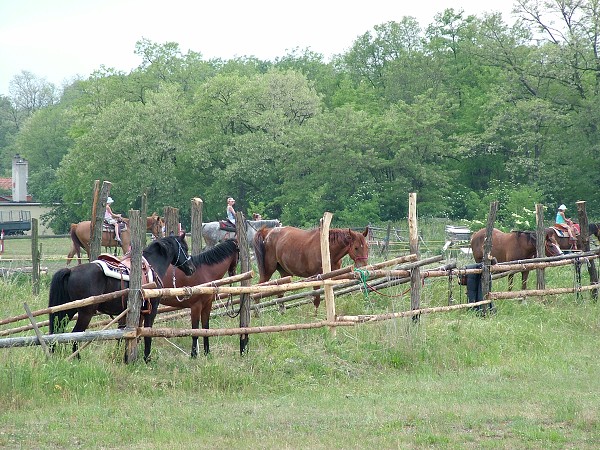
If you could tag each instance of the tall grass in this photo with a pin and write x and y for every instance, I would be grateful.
(524, 377)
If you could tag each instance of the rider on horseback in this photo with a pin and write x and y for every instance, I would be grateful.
(112, 218)
(566, 224)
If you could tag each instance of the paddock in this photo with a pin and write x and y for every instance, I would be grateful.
(283, 294)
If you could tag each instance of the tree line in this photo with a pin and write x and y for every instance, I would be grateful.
(463, 111)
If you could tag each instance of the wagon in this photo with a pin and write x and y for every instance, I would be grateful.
(458, 237)
(15, 222)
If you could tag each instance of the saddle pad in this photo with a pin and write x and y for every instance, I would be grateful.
(226, 226)
(560, 232)
(111, 270)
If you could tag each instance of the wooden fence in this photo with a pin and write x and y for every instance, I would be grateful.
(402, 270)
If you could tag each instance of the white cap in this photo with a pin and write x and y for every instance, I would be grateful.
(231, 199)
(109, 200)
(563, 207)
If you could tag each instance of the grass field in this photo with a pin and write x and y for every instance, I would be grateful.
(525, 377)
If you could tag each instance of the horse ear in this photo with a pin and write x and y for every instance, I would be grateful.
(366, 232)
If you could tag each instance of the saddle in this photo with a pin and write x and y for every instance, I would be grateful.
(562, 232)
(226, 225)
(111, 227)
(120, 269)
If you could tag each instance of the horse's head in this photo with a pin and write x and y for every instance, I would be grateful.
(182, 260)
(358, 248)
(155, 225)
(551, 244)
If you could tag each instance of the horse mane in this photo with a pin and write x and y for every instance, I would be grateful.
(339, 234)
(216, 254)
(529, 235)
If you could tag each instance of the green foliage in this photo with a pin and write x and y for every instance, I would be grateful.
(462, 111)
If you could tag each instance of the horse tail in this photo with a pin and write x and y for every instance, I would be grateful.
(76, 243)
(259, 248)
(59, 296)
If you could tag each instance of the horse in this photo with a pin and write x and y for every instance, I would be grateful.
(565, 244)
(293, 251)
(88, 280)
(212, 232)
(210, 265)
(80, 236)
(513, 246)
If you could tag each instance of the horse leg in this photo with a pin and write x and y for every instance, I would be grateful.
(524, 276)
(148, 322)
(195, 313)
(205, 316)
(84, 317)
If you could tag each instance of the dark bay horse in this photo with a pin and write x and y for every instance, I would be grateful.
(87, 280)
(513, 246)
(565, 244)
(211, 265)
(81, 235)
(292, 251)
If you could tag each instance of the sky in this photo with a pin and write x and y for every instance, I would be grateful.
(59, 40)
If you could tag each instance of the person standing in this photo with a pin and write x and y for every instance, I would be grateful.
(112, 219)
(230, 210)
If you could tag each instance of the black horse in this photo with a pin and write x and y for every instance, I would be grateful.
(88, 280)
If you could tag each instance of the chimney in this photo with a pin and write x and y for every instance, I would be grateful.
(20, 173)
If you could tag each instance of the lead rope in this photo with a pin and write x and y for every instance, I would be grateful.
(577, 278)
(363, 276)
(187, 290)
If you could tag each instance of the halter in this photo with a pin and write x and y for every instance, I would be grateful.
(179, 252)
(358, 258)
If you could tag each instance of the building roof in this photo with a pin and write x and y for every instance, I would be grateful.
(6, 183)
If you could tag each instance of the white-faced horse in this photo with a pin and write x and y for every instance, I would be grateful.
(213, 234)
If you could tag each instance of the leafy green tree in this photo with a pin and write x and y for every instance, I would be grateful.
(136, 147)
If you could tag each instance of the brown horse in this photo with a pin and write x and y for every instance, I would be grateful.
(513, 246)
(292, 251)
(80, 236)
(565, 244)
(210, 265)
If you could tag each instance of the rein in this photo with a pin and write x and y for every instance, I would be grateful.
(175, 266)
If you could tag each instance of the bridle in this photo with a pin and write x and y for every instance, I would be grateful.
(179, 252)
(357, 258)
(176, 265)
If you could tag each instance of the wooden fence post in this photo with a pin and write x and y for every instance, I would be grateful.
(144, 213)
(134, 299)
(326, 267)
(99, 207)
(486, 279)
(585, 245)
(35, 258)
(197, 205)
(413, 238)
(171, 221)
(95, 196)
(540, 244)
(242, 236)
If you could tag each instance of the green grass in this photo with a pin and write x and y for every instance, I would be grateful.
(525, 377)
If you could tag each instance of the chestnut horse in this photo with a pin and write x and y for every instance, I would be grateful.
(80, 236)
(513, 246)
(88, 280)
(292, 251)
(210, 265)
